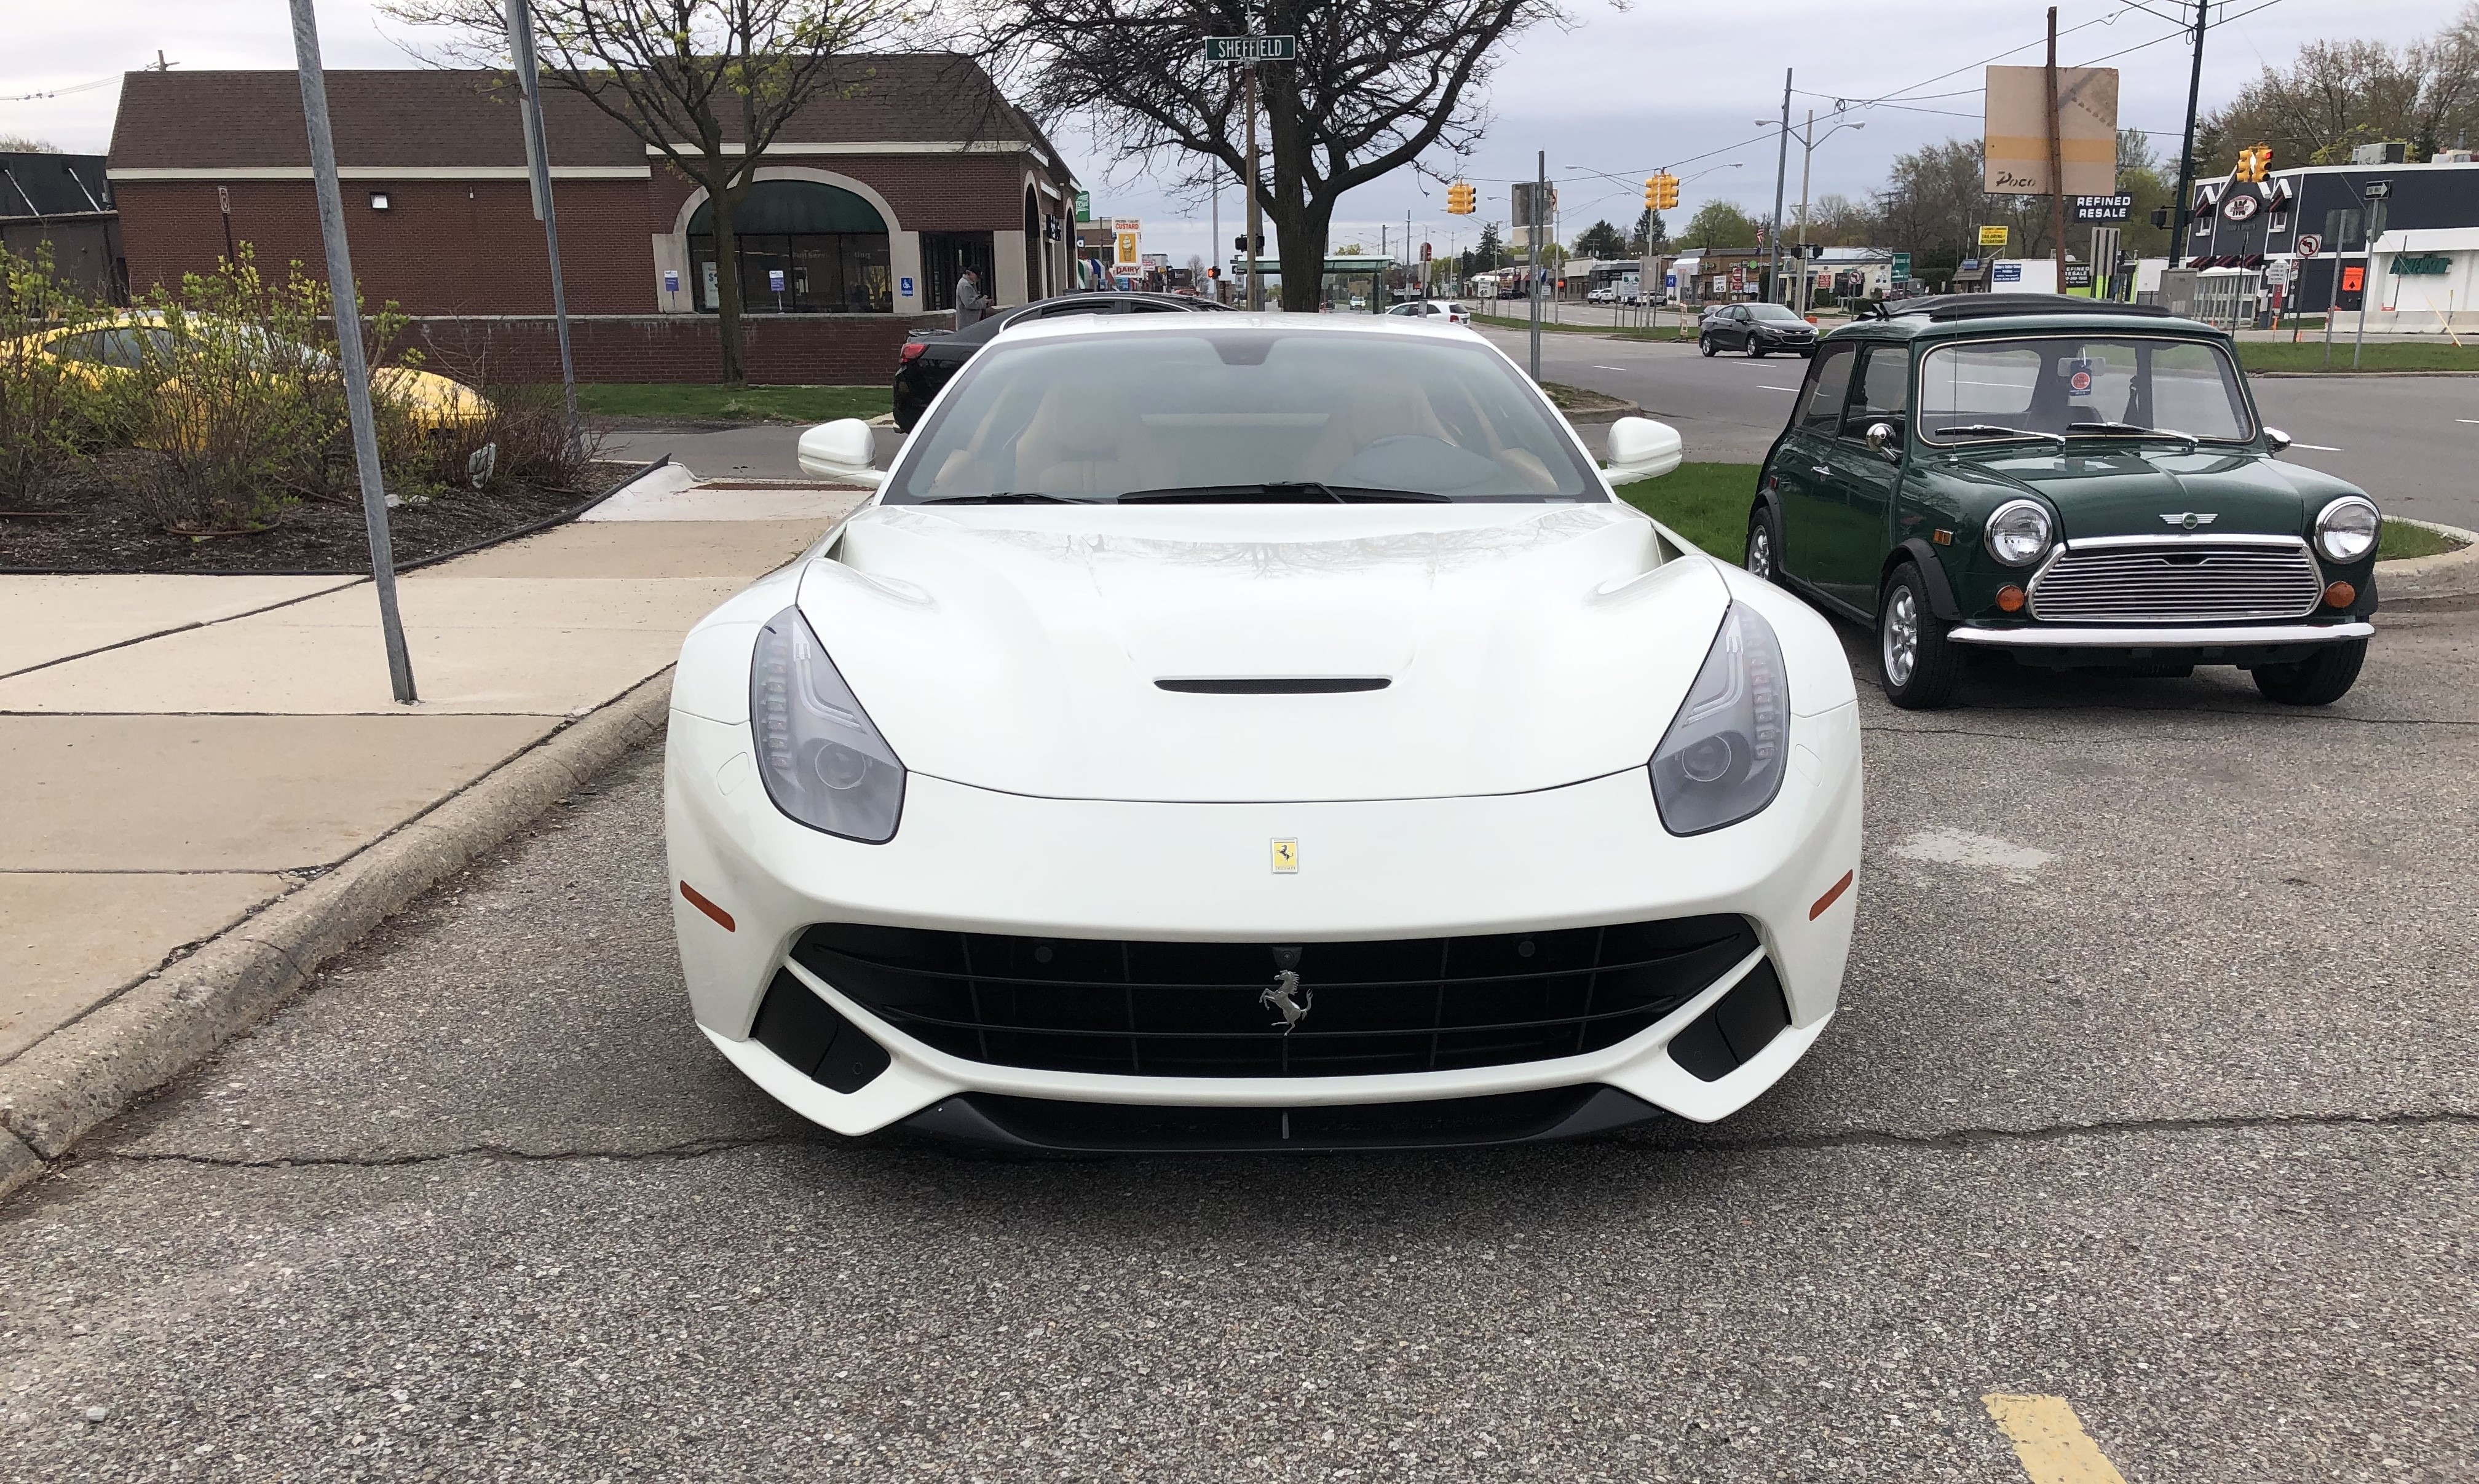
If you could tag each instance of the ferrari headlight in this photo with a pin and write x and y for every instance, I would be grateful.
(2346, 530)
(824, 763)
(1722, 759)
(2018, 532)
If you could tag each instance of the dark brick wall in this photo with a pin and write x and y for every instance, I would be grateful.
(796, 350)
(468, 248)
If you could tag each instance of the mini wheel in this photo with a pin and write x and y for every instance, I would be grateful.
(1921, 665)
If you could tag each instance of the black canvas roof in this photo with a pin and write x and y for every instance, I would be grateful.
(47, 186)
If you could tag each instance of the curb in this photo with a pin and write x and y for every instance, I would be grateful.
(59, 1090)
(2420, 580)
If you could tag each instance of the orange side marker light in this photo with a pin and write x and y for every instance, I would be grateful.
(2340, 595)
(1831, 897)
(697, 899)
(2009, 598)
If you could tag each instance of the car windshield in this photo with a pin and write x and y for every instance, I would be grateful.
(2081, 385)
(1275, 414)
(1773, 312)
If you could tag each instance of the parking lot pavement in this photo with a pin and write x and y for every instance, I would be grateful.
(2152, 1092)
(768, 451)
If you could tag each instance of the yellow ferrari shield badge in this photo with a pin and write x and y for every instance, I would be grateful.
(1287, 858)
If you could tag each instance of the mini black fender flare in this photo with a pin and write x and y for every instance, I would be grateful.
(1932, 571)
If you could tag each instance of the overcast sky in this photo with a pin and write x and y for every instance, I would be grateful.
(1623, 91)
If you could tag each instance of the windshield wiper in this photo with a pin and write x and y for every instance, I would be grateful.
(1277, 492)
(1009, 498)
(2136, 428)
(2008, 432)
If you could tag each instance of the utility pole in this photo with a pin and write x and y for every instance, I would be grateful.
(1807, 158)
(520, 50)
(1256, 283)
(1531, 251)
(2056, 161)
(2186, 151)
(1781, 175)
(346, 304)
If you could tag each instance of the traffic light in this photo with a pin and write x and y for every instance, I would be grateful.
(1213, 275)
(1660, 192)
(2254, 162)
(1240, 243)
(1460, 200)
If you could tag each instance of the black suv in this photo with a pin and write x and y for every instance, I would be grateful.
(1756, 329)
(930, 357)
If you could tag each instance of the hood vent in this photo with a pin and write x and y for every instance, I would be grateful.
(1277, 685)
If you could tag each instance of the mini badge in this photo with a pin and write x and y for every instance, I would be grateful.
(1287, 858)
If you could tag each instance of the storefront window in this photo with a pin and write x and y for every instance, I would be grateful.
(805, 247)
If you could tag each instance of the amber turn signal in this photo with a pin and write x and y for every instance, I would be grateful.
(2340, 595)
(2009, 598)
(697, 899)
(1831, 897)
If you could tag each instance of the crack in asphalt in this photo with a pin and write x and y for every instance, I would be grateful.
(1842, 1139)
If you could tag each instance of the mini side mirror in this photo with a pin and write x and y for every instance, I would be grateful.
(1885, 441)
(844, 449)
(1641, 448)
(2279, 440)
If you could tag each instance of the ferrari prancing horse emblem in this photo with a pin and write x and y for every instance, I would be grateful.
(1287, 858)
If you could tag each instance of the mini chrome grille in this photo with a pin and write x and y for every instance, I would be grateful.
(2177, 582)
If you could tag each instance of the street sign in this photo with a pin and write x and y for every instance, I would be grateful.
(1992, 236)
(773, 280)
(2079, 276)
(2276, 273)
(1902, 267)
(1424, 252)
(2379, 189)
(2006, 273)
(1534, 205)
(1252, 49)
(2310, 244)
(1084, 205)
(2101, 208)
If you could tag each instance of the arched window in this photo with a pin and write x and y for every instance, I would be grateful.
(804, 247)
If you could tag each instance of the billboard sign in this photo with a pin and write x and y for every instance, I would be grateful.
(2100, 208)
(2017, 131)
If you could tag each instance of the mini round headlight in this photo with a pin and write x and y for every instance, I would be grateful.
(2019, 532)
(2346, 530)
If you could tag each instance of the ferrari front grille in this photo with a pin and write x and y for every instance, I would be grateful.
(2177, 582)
(1151, 1008)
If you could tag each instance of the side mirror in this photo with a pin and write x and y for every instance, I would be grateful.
(1885, 441)
(2279, 440)
(844, 449)
(1641, 448)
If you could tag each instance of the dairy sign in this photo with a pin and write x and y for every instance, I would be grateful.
(1125, 233)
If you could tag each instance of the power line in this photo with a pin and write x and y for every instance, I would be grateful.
(62, 92)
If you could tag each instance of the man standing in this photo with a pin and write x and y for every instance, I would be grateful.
(971, 304)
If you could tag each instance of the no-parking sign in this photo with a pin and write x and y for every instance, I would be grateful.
(2310, 244)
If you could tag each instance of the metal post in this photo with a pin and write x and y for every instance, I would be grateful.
(2333, 305)
(1532, 256)
(224, 201)
(347, 307)
(2056, 159)
(1806, 157)
(1782, 177)
(1214, 281)
(1256, 283)
(2186, 151)
(521, 46)
(2366, 283)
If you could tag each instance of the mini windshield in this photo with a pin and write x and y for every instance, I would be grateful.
(1319, 418)
(2081, 386)
(1773, 312)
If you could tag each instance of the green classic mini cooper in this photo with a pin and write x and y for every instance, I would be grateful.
(2074, 483)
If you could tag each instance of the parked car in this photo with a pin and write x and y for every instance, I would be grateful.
(2067, 482)
(1601, 296)
(1204, 738)
(930, 358)
(1758, 329)
(1445, 310)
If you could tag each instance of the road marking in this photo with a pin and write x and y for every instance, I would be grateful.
(2320, 447)
(1762, 387)
(1596, 366)
(2050, 1439)
(2466, 420)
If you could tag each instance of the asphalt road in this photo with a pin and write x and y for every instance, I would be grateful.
(768, 451)
(2153, 1089)
(2410, 442)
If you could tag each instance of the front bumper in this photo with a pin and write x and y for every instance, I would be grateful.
(970, 859)
(2229, 636)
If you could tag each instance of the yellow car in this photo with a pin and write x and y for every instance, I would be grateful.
(95, 354)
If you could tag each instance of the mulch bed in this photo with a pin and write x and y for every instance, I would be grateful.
(98, 525)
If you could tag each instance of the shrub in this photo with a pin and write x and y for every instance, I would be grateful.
(523, 426)
(51, 416)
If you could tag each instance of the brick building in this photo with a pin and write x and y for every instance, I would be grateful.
(876, 195)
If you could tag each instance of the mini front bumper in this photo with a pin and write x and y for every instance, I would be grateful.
(970, 859)
(2229, 636)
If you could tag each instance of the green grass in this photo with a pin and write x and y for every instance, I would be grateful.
(1707, 503)
(2308, 355)
(2400, 541)
(736, 404)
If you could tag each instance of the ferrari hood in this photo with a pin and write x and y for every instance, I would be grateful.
(1312, 653)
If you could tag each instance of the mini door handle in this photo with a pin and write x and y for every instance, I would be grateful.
(1819, 468)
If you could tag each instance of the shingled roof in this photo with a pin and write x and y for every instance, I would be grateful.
(244, 120)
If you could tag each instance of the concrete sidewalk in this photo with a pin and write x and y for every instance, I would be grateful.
(176, 752)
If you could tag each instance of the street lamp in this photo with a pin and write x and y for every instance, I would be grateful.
(1808, 138)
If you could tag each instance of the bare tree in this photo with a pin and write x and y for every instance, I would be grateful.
(708, 83)
(1378, 83)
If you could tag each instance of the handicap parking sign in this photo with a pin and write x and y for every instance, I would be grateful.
(906, 287)
(775, 280)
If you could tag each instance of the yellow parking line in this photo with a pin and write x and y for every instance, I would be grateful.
(2050, 1439)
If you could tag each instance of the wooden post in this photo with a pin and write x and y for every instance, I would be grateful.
(2056, 159)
